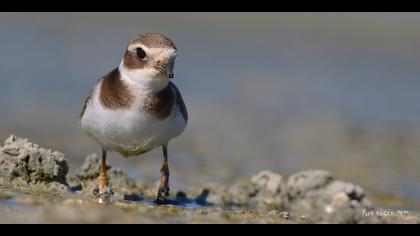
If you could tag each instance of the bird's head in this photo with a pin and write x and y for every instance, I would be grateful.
(149, 60)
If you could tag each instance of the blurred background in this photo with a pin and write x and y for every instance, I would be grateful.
(278, 91)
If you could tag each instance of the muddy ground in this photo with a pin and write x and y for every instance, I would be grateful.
(35, 187)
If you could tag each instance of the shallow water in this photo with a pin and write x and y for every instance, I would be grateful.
(279, 91)
(9, 202)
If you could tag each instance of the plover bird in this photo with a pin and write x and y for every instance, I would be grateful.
(135, 107)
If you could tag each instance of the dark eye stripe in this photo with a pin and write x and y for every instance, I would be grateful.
(141, 53)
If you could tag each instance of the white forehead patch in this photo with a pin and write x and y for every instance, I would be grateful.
(164, 51)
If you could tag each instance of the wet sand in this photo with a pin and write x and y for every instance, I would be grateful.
(35, 187)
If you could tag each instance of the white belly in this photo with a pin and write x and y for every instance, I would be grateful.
(130, 131)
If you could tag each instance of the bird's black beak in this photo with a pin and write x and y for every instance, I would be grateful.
(165, 68)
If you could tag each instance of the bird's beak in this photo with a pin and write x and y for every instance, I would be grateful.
(166, 68)
(170, 68)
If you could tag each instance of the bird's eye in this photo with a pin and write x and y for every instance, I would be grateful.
(141, 53)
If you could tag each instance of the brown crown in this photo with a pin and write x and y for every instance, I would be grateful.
(154, 40)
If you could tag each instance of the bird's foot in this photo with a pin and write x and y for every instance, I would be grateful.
(163, 193)
(104, 195)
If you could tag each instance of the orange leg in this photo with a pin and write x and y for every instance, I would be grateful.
(103, 178)
(163, 191)
(104, 193)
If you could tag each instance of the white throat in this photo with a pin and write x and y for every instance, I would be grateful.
(145, 78)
